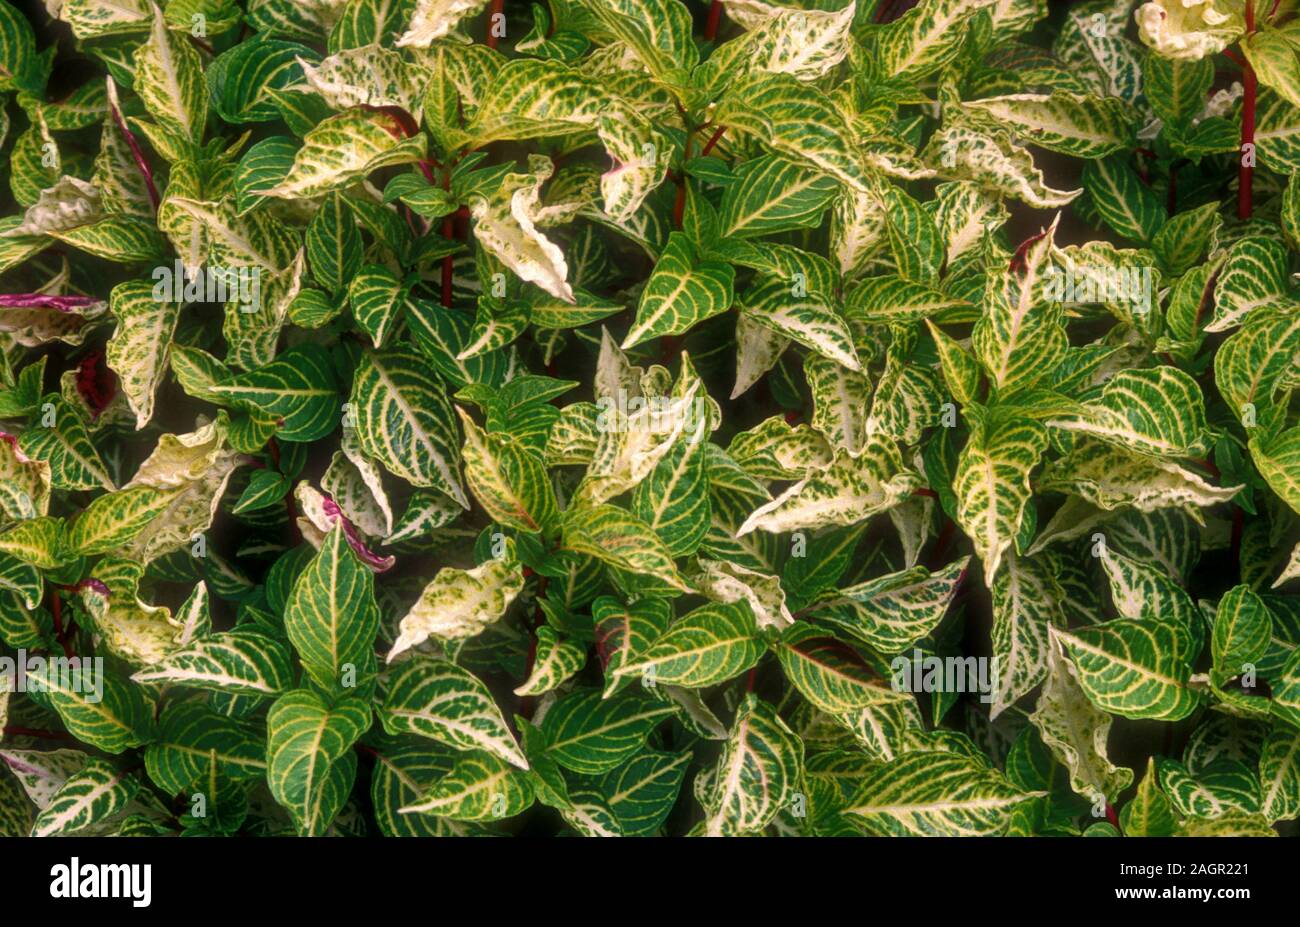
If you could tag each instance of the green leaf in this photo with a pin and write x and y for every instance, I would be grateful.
(507, 479)
(478, 787)
(760, 769)
(1243, 628)
(331, 617)
(935, 794)
(771, 194)
(60, 439)
(557, 660)
(461, 603)
(107, 713)
(437, 699)
(890, 612)
(376, 296)
(590, 735)
(298, 390)
(1148, 813)
(169, 80)
(709, 645)
(1279, 773)
(926, 39)
(625, 631)
(19, 63)
(397, 783)
(1176, 89)
(1126, 204)
(1083, 125)
(796, 121)
(1278, 461)
(345, 148)
(239, 78)
(683, 291)
(1076, 732)
(310, 762)
(404, 420)
(1253, 278)
(1158, 411)
(242, 661)
(1132, 668)
(194, 743)
(642, 792)
(992, 483)
(674, 499)
(830, 674)
(88, 797)
(618, 538)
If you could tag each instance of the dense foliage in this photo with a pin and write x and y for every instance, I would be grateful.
(433, 417)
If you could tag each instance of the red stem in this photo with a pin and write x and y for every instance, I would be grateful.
(679, 205)
(492, 38)
(56, 606)
(941, 543)
(708, 146)
(290, 506)
(1112, 815)
(714, 20)
(1246, 176)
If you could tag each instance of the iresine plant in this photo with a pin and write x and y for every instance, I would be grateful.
(650, 417)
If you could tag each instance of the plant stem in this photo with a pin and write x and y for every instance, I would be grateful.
(56, 607)
(1249, 85)
(708, 146)
(492, 37)
(714, 20)
(290, 506)
(679, 204)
